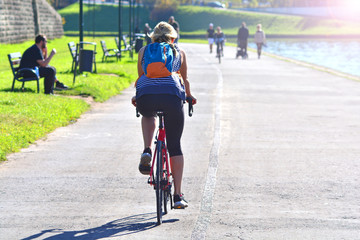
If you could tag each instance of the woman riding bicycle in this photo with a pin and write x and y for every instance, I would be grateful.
(160, 89)
(219, 40)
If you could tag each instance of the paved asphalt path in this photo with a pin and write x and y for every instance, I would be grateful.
(272, 152)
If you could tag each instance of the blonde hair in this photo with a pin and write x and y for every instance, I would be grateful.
(164, 32)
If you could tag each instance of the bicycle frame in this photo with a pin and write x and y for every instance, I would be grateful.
(219, 49)
(220, 46)
(161, 141)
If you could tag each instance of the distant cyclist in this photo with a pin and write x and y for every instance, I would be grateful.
(219, 40)
(163, 86)
(210, 36)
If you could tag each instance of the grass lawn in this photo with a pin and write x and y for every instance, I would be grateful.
(230, 20)
(27, 116)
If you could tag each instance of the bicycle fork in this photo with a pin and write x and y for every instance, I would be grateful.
(165, 178)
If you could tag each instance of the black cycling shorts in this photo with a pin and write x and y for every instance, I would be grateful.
(172, 106)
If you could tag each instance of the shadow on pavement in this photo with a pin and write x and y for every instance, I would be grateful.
(116, 228)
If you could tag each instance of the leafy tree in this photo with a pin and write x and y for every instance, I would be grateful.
(253, 3)
(167, 3)
(185, 1)
(148, 3)
(57, 4)
(163, 9)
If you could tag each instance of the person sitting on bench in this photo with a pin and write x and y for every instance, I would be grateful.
(34, 57)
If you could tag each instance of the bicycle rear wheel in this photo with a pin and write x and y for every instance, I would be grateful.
(218, 52)
(159, 191)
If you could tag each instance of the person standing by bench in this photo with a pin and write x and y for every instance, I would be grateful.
(176, 26)
(33, 57)
(147, 31)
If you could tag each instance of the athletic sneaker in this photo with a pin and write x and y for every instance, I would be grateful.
(60, 86)
(145, 160)
(180, 202)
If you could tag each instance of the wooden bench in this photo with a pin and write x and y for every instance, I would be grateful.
(109, 52)
(24, 74)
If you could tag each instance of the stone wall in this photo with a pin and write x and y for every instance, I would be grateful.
(21, 20)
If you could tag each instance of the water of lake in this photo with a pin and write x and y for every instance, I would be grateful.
(340, 55)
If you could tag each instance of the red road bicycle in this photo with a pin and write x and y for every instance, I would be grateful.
(160, 174)
(219, 49)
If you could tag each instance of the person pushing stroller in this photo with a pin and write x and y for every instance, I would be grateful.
(242, 41)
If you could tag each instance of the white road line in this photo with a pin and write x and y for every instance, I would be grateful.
(201, 225)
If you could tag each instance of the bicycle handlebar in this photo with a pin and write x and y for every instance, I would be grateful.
(191, 109)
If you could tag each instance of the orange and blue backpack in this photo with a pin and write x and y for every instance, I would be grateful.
(158, 60)
(161, 71)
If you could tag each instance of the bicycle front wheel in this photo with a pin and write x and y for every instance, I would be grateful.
(158, 177)
(167, 191)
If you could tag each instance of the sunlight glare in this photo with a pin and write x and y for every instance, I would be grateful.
(352, 4)
(344, 9)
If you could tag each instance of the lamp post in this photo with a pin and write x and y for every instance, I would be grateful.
(81, 22)
(130, 22)
(133, 18)
(93, 8)
(120, 30)
(138, 14)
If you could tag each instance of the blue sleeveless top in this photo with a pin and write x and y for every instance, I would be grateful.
(171, 85)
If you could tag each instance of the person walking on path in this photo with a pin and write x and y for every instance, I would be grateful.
(260, 39)
(164, 88)
(176, 26)
(210, 36)
(242, 38)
